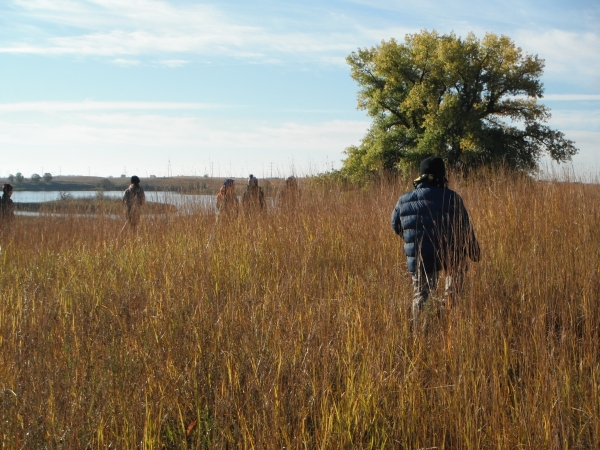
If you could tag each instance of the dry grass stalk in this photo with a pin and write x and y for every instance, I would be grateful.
(293, 329)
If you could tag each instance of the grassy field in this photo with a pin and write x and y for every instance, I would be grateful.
(292, 329)
(96, 205)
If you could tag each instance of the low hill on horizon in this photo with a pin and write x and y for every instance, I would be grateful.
(182, 184)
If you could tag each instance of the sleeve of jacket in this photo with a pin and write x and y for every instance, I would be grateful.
(396, 222)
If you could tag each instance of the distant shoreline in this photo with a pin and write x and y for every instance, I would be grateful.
(183, 185)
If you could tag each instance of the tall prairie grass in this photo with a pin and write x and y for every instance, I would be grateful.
(293, 330)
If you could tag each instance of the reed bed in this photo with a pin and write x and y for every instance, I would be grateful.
(292, 329)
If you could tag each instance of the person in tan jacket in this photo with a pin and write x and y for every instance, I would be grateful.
(134, 198)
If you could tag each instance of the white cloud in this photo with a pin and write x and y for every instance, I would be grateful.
(174, 63)
(588, 158)
(109, 141)
(150, 27)
(140, 27)
(571, 55)
(110, 135)
(187, 132)
(52, 107)
(126, 62)
(585, 166)
(583, 120)
(121, 42)
(115, 28)
(572, 97)
(103, 14)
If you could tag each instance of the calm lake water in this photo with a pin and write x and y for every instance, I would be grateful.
(182, 201)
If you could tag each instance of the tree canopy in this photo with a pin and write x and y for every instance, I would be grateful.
(472, 102)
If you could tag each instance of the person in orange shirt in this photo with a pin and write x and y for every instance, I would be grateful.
(227, 201)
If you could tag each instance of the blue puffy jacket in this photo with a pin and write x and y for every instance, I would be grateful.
(435, 227)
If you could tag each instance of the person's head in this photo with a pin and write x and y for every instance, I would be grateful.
(135, 180)
(229, 184)
(433, 170)
(291, 181)
(7, 189)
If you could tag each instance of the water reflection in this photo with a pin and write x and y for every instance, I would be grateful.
(77, 215)
(185, 203)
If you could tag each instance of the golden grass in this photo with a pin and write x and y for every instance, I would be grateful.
(91, 206)
(293, 329)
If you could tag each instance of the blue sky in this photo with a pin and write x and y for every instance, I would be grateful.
(186, 87)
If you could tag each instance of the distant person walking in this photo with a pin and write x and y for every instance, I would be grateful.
(7, 206)
(289, 195)
(435, 226)
(253, 199)
(227, 201)
(134, 198)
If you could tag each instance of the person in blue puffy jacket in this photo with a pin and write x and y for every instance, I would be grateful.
(437, 233)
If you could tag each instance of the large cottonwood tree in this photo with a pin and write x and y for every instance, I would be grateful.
(473, 102)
